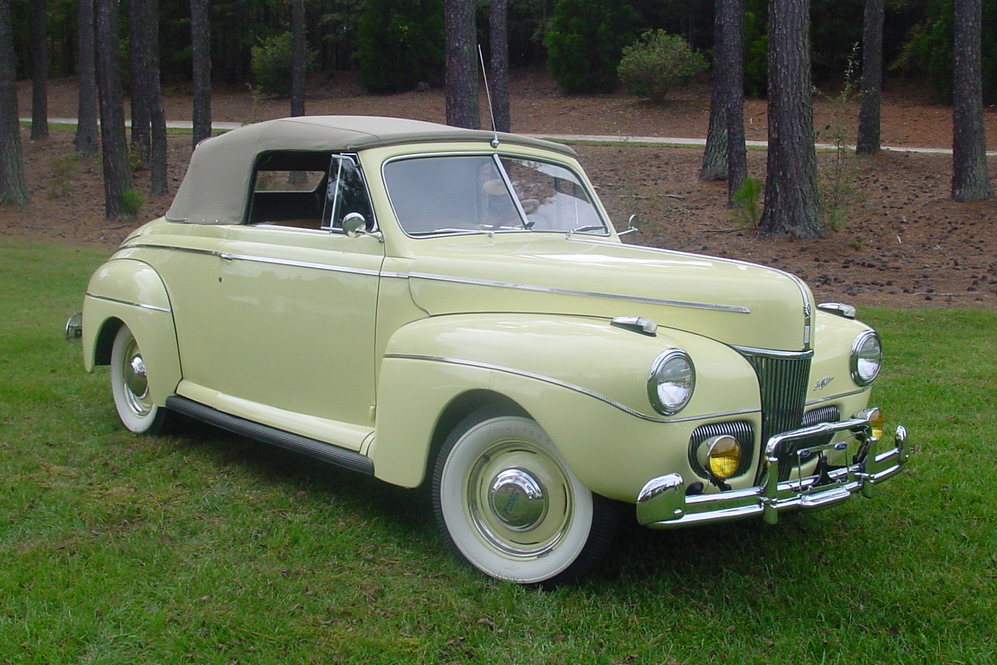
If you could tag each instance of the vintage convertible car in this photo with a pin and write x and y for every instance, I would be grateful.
(437, 305)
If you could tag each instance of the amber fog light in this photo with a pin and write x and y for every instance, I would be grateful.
(721, 456)
(877, 421)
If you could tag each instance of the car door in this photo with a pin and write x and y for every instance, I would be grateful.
(296, 304)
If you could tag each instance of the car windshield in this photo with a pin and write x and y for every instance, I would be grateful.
(485, 193)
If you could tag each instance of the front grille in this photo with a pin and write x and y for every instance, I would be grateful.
(782, 382)
(824, 414)
(741, 430)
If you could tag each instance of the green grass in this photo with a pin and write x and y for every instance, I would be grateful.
(206, 548)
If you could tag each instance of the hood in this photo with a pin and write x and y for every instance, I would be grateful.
(738, 303)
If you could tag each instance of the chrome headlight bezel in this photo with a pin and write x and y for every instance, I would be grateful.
(866, 358)
(671, 382)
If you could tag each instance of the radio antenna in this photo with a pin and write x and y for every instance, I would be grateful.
(488, 96)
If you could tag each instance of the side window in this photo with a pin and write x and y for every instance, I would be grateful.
(289, 189)
(346, 193)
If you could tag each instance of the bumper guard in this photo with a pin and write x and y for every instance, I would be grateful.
(663, 503)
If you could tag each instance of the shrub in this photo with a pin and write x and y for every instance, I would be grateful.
(585, 42)
(657, 63)
(271, 64)
(400, 44)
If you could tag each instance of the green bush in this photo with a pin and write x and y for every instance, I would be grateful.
(400, 44)
(585, 42)
(657, 63)
(271, 64)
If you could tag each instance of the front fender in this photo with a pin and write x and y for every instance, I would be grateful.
(131, 293)
(582, 379)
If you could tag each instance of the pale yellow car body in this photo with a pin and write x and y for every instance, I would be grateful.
(378, 342)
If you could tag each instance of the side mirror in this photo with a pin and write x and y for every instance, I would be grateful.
(355, 225)
(631, 226)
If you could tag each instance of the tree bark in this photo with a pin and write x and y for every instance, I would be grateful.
(297, 57)
(461, 59)
(201, 42)
(737, 152)
(13, 186)
(139, 84)
(157, 116)
(86, 127)
(725, 156)
(791, 180)
(970, 175)
(498, 27)
(38, 19)
(872, 78)
(113, 140)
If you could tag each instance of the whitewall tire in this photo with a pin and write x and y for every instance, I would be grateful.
(509, 505)
(130, 386)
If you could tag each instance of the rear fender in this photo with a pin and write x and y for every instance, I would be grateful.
(131, 293)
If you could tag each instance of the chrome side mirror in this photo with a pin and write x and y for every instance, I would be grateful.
(355, 225)
(631, 226)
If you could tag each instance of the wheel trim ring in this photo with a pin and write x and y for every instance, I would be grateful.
(493, 531)
(134, 380)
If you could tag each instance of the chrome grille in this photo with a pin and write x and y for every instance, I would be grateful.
(782, 383)
(823, 414)
(741, 430)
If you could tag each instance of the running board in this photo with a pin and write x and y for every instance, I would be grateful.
(300, 444)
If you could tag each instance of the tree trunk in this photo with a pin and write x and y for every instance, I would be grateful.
(86, 128)
(139, 84)
(970, 176)
(200, 30)
(157, 116)
(715, 155)
(872, 78)
(297, 57)
(13, 187)
(38, 19)
(113, 140)
(498, 27)
(791, 181)
(462, 70)
(733, 84)
(724, 157)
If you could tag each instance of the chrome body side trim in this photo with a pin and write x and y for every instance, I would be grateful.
(736, 309)
(569, 386)
(154, 308)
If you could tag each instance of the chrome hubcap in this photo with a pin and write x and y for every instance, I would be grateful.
(518, 499)
(136, 380)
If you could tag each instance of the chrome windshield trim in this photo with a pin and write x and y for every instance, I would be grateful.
(130, 303)
(736, 309)
(569, 386)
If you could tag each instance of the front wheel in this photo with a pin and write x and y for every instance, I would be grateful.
(508, 504)
(130, 386)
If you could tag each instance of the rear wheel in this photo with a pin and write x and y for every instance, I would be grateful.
(509, 505)
(130, 386)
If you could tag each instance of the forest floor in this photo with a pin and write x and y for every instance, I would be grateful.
(900, 241)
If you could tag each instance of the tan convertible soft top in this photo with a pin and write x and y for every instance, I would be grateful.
(218, 179)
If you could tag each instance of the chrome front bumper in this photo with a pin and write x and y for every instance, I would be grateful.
(664, 504)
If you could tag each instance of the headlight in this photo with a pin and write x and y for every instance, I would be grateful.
(672, 380)
(867, 358)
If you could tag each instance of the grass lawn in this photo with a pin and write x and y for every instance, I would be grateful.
(206, 548)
